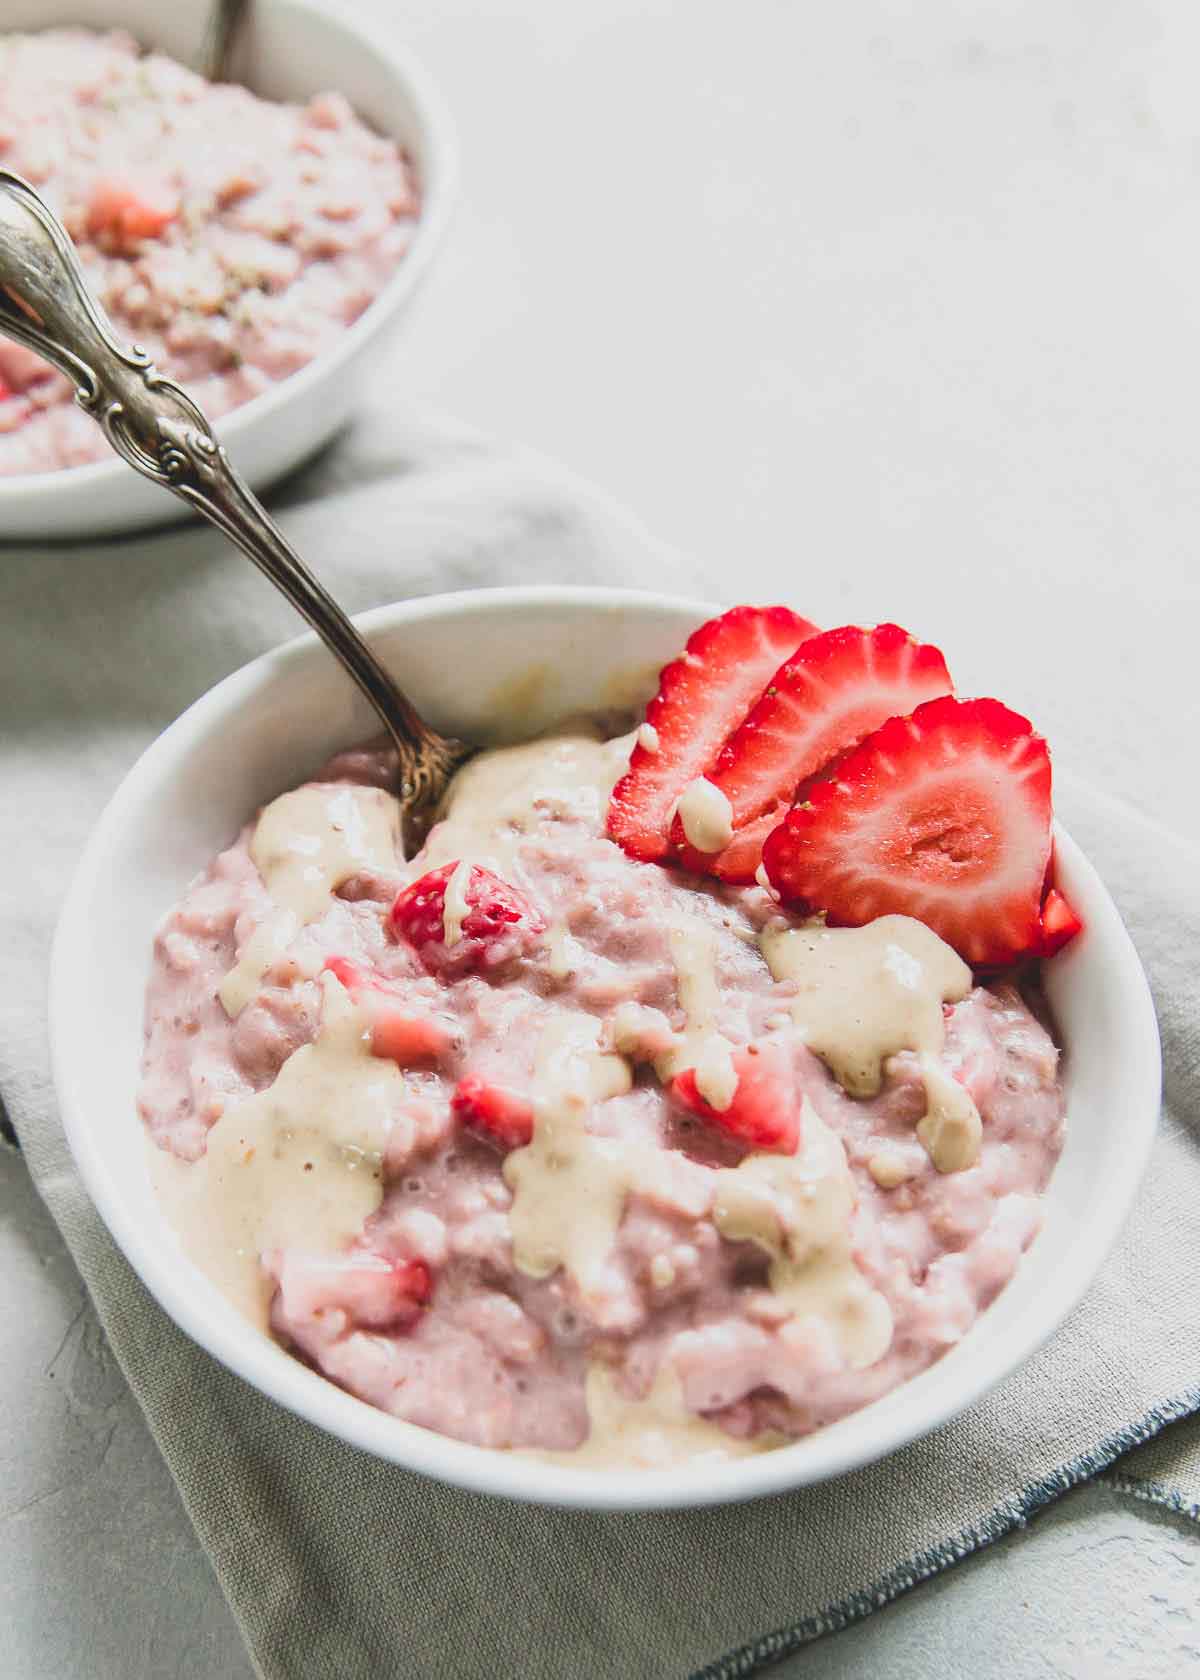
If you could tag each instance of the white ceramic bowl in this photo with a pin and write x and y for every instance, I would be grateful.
(292, 49)
(264, 729)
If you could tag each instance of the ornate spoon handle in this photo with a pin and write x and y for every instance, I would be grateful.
(155, 426)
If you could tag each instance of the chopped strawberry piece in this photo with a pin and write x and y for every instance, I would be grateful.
(125, 214)
(407, 1038)
(500, 1114)
(413, 1279)
(348, 973)
(702, 697)
(765, 1111)
(498, 925)
(837, 687)
(1060, 923)
(401, 1029)
(944, 815)
(372, 1291)
(6, 390)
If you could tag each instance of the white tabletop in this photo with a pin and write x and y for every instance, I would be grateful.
(888, 316)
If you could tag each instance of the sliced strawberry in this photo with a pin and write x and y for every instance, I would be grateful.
(765, 1111)
(702, 697)
(500, 923)
(401, 1030)
(944, 815)
(1060, 923)
(500, 1114)
(835, 689)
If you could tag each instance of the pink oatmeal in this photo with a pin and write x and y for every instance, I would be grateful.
(232, 237)
(457, 1144)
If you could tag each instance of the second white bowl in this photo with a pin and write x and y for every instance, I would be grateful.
(294, 49)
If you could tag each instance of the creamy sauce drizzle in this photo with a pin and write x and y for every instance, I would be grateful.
(297, 1165)
(570, 1185)
(648, 1434)
(646, 1035)
(455, 908)
(797, 1208)
(866, 993)
(763, 880)
(700, 1046)
(305, 844)
(569, 1188)
(716, 1076)
(563, 951)
(951, 1129)
(706, 815)
(496, 799)
(891, 1167)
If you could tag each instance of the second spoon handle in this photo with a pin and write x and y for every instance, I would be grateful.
(157, 428)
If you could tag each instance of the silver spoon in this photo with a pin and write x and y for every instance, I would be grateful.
(153, 424)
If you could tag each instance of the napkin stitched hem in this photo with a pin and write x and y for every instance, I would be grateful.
(1012, 1514)
(1155, 1493)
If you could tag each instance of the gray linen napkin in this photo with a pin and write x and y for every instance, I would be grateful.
(337, 1565)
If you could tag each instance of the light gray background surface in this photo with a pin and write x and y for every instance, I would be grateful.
(846, 297)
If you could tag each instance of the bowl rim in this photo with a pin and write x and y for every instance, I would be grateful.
(256, 1358)
(438, 181)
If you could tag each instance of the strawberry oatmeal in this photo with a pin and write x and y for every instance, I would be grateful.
(554, 1137)
(232, 237)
